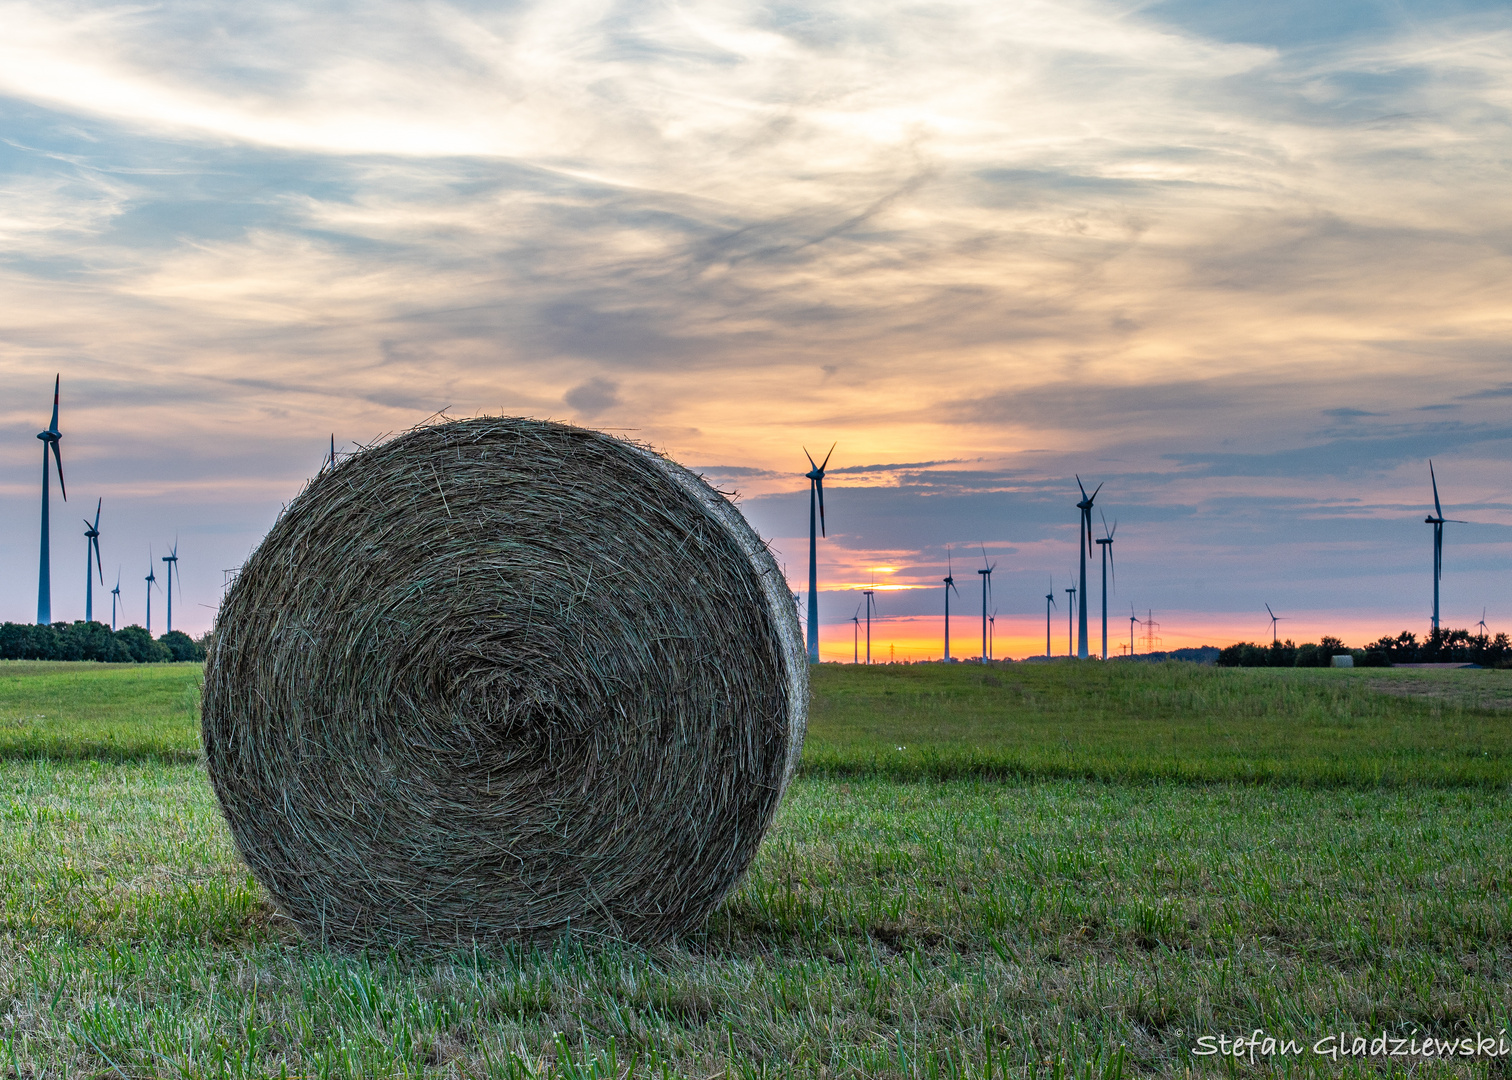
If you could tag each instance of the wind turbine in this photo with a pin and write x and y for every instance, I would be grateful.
(1049, 603)
(991, 630)
(1274, 620)
(856, 636)
(1084, 538)
(330, 461)
(1482, 623)
(172, 560)
(151, 580)
(1133, 619)
(949, 585)
(49, 439)
(1106, 543)
(1436, 519)
(115, 594)
(816, 497)
(871, 603)
(92, 548)
(986, 576)
(1071, 614)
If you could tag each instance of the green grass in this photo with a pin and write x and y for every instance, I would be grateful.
(921, 928)
(108, 712)
(1185, 722)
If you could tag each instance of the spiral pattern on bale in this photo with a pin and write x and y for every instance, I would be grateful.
(503, 678)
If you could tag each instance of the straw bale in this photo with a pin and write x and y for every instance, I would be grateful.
(504, 678)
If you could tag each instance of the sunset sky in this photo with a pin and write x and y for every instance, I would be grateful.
(1249, 266)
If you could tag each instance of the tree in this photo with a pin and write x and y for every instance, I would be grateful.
(142, 648)
(182, 646)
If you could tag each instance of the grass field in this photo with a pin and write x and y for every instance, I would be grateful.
(1071, 869)
(1312, 726)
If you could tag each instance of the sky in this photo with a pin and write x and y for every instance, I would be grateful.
(1244, 265)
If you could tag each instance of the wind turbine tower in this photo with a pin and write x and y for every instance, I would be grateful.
(816, 500)
(1049, 603)
(986, 576)
(1106, 543)
(151, 580)
(50, 438)
(1274, 618)
(1085, 540)
(949, 585)
(172, 560)
(1070, 615)
(92, 561)
(1436, 519)
(871, 601)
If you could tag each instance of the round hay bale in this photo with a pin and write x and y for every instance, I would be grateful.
(504, 678)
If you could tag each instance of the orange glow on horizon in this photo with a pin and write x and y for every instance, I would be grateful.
(921, 637)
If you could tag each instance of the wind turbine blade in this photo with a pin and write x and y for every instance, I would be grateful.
(1437, 510)
(1112, 566)
(819, 486)
(1094, 493)
(1272, 614)
(984, 554)
(810, 458)
(827, 456)
(94, 542)
(58, 457)
(57, 381)
(98, 503)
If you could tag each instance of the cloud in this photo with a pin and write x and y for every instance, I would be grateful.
(1367, 454)
(593, 397)
(983, 245)
(902, 466)
(1505, 390)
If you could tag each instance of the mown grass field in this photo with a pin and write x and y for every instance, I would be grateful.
(1070, 869)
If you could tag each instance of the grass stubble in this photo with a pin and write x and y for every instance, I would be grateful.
(895, 923)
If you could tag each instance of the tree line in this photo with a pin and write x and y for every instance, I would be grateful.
(96, 641)
(1442, 646)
